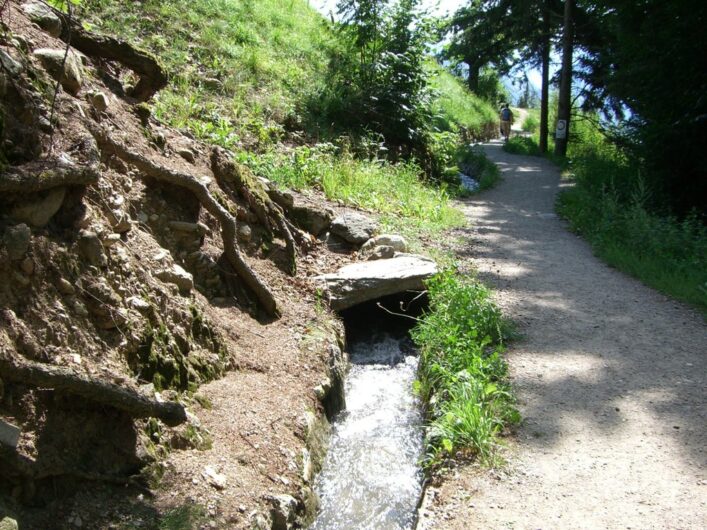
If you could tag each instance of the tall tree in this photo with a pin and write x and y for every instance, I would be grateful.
(565, 100)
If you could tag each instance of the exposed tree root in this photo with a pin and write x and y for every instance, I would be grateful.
(46, 174)
(152, 76)
(48, 376)
(228, 223)
(230, 175)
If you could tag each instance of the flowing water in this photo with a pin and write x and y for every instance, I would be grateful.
(371, 478)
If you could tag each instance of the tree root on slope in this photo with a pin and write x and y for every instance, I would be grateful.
(229, 175)
(228, 223)
(121, 398)
(152, 75)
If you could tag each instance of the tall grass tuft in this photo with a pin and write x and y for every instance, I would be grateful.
(396, 190)
(462, 374)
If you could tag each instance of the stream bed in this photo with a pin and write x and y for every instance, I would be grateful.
(371, 478)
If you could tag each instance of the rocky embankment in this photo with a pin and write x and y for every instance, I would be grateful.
(163, 352)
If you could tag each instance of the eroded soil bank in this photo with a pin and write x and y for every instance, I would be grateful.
(610, 375)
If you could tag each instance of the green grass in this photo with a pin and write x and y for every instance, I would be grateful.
(393, 189)
(239, 69)
(455, 107)
(608, 205)
(462, 374)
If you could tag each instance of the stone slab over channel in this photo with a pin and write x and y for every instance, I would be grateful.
(369, 280)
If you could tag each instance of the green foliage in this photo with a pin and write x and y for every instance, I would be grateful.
(531, 123)
(394, 189)
(378, 81)
(608, 206)
(521, 145)
(474, 163)
(462, 374)
(641, 57)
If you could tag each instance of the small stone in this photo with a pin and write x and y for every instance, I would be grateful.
(9, 434)
(187, 154)
(212, 83)
(91, 248)
(177, 276)
(27, 266)
(10, 64)
(65, 287)
(80, 308)
(110, 240)
(99, 101)
(283, 511)
(78, 523)
(8, 523)
(142, 217)
(119, 220)
(354, 227)
(138, 303)
(17, 239)
(75, 358)
(245, 233)
(215, 479)
(398, 243)
(20, 279)
(381, 252)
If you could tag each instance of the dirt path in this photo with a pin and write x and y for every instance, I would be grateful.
(610, 377)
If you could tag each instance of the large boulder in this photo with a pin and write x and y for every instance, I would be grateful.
(364, 281)
(42, 15)
(354, 227)
(71, 75)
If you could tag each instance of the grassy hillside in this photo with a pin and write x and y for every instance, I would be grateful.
(456, 107)
(242, 73)
(239, 68)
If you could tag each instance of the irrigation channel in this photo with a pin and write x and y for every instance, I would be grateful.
(371, 477)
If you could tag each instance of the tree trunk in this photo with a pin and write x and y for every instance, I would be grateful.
(473, 79)
(545, 89)
(565, 102)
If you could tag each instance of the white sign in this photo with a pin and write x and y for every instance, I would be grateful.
(561, 131)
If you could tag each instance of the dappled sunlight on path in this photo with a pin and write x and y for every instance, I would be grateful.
(611, 378)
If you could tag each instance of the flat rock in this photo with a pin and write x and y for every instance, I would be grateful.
(354, 227)
(71, 77)
(364, 281)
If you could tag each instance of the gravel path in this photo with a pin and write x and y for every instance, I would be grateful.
(610, 376)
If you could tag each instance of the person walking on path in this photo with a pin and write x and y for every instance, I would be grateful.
(506, 121)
